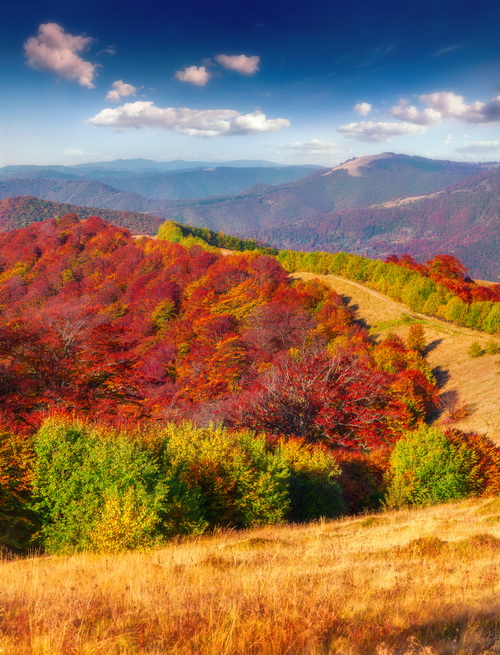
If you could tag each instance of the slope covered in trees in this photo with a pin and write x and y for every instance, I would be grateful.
(21, 211)
(109, 343)
(65, 183)
(375, 206)
(462, 220)
(96, 321)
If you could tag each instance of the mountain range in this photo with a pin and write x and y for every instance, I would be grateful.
(373, 205)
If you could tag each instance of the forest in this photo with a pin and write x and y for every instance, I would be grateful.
(164, 389)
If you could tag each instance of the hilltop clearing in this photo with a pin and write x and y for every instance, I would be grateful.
(407, 582)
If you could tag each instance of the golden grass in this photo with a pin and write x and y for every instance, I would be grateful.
(476, 380)
(421, 581)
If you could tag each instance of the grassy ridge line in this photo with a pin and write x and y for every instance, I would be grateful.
(419, 294)
(394, 583)
(189, 236)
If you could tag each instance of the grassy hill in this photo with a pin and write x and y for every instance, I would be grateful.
(408, 582)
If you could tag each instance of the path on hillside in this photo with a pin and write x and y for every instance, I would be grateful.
(476, 380)
(402, 308)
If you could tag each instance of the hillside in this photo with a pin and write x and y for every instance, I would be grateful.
(412, 582)
(376, 206)
(454, 209)
(378, 179)
(148, 179)
(21, 211)
(475, 381)
(462, 220)
(78, 192)
(202, 183)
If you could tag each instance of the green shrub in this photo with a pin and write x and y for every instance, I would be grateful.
(429, 467)
(83, 480)
(314, 489)
(475, 350)
(223, 478)
(492, 348)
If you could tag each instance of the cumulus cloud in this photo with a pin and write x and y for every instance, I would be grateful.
(362, 108)
(55, 50)
(410, 114)
(194, 75)
(192, 122)
(120, 89)
(378, 132)
(239, 63)
(445, 104)
(474, 147)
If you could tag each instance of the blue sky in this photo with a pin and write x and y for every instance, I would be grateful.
(294, 82)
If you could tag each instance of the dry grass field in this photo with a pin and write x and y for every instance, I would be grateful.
(476, 380)
(397, 583)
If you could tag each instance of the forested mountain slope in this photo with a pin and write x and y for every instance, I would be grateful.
(377, 205)
(462, 220)
(98, 322)
(21, 211)
(376, 179)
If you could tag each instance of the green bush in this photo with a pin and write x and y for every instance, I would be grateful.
(492, 348)
(223, 478)
(81, 480)
(314, 489)
(475, 350)
(429, 467)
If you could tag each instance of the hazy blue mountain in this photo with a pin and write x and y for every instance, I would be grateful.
(79, 192)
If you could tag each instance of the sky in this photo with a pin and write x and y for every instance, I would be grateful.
(296, 82)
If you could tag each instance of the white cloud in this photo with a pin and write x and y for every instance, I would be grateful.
(314, 147)
(192, 122)
(410, 114)
(445, 104)
(55, 50)
(239, 63)
(445, 51)
(378, 132)
(257, 122)
(362, 108)
(451, 105)
(479, 147)
(119, 90)
(194, 75)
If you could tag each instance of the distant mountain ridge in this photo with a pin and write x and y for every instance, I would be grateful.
(21, 211)
(373, 205)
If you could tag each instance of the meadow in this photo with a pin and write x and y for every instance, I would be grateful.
(422, 581)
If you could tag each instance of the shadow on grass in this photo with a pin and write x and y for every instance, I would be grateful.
(471, 633)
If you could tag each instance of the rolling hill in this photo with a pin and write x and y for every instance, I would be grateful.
(21, 211)
(358, 183)
(462, 220)
(81, 192)
(476, 382)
